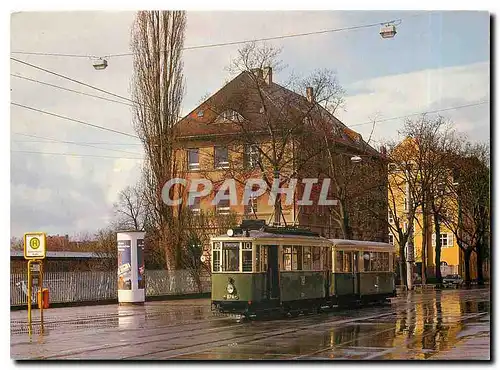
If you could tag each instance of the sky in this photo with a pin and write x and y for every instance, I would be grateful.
(437, 60)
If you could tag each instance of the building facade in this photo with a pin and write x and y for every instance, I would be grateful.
(255, 128)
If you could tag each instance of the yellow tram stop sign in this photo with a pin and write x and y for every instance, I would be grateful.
(34, 245)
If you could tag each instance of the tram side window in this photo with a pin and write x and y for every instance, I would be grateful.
(339, 257)
(287, 258)
(326, 257)
(263, 258)
(347, 262)
(297, 258)
(292, 258)
(230, 257)
(307, 259)
(316, 258)
(376, 261)
(366, 261)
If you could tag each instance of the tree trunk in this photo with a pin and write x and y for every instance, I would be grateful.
(479, 262)
(467, 254)
(423, 253)
(402, 266)
(437, 260)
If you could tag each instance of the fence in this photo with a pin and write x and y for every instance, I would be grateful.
(66, 287)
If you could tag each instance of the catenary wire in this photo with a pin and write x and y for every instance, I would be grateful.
(51, 141)
(74, 120)
(206, 46)
(73, 155)
(71, 90)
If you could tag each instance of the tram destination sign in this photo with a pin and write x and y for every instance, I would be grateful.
(35, 245)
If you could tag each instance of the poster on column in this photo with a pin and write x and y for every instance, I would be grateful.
(124, 265)
(140, 263)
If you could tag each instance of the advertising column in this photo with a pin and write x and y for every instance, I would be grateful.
(131, 285)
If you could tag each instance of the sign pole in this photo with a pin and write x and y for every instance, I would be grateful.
(29, 296)
(34, 252)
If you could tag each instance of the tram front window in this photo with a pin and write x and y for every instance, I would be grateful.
(231, 256)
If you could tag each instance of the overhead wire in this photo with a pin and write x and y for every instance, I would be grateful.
(74, 120)
(206, 46)
(51, 140)
(71, 90)
(419, 113)
(73, 80)
(73, 155)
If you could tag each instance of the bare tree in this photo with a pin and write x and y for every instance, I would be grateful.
(131, 209)
(157, 89)
(197, 229)
(467, 208)
(435, 142)
(273, 132)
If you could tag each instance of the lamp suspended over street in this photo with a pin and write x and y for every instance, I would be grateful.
(356, 159)
(99, 63)
(388, 31)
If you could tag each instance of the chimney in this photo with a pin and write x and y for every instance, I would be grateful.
(309, 94)
(257, 72)
(268, 75)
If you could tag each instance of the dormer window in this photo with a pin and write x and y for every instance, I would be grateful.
(230, 115)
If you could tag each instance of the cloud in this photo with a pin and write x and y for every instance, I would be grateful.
(420, 91)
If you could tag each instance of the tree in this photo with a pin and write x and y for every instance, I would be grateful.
(468, 213)
(197, 228)
(275, 133)
(435, 142)
(157, 90)
(131, 209)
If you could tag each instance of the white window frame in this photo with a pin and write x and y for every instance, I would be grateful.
(391, 239)
(221, 164)
(390, 218)
(194, 166)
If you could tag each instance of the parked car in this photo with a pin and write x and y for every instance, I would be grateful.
(452, 280)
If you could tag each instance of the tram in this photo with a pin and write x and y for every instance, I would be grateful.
(259, 269)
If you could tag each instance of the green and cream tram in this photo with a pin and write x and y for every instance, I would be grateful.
(291, 270)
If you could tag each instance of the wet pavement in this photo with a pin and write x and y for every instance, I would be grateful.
(436, 325)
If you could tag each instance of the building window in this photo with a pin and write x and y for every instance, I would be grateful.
(391, 239)
(195, 207)
(390, 218)
(405, 227)
(446, 240)
(223, 207)
(193, 159)
(221, 157)
(406, 204)
(230, 115)
(252, 156)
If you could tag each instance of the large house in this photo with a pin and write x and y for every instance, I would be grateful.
(255, 128)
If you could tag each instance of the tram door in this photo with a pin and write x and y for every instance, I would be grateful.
(273, 272)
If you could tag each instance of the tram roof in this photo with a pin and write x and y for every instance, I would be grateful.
(282, 234)
(364, 243)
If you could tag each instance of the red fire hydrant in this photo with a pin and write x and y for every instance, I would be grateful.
(43, 298)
